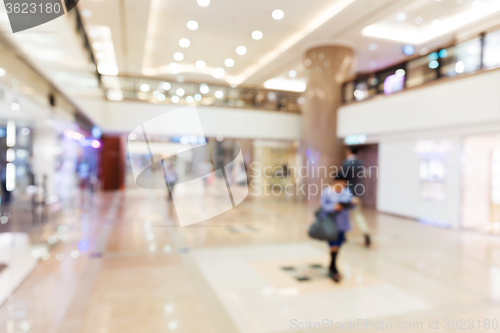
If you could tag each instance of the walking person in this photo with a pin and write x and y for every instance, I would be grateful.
(337, 200)
(353, 171)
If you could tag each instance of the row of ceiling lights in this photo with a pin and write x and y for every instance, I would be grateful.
(192, 25)
(163, 86)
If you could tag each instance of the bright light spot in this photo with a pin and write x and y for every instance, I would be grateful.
(219, 94)
(278, 14)
(174, 68)
(401, 17)
(257, 35)
(301, 100)
(192, 25)
(169, 309)
(203, 3)
(292, 73)
(2, 72)
(178, 56)
(229, 62)
(283, 84)
(433, 64)
(359, 94)
(165, 85)
(197, 97)
(10, 155)
(435, 23)
(184, 42)
(51, 239)
(408, 50)
(25, 326)
(175, 99)
(173, 325)
(200, 64)
(400, 72)
(145, 87)
(96, 144)
(97, 45)
(204, 89)
(218, 73)
(86, 13)
(373, 47)
(152, 247)
(419, 20)
(296, 144)
(472, 50)
(132, 136)
(74, 254)
(241, 50)
(460, 67)
(477, 4)
(161, 97)
(156, 93)
(15, 106)
(10, 178)
(180, 92)
(219, 138)
(189, 99)
(25, 131)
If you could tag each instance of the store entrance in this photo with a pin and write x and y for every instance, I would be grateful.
(481, 183)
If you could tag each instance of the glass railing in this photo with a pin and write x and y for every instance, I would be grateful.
(158, 91)
(463, 58)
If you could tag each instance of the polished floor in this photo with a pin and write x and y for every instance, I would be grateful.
(121, 265)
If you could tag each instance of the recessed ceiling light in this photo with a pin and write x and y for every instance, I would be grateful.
(373, 47)
(219, 94)
(161, 97)
(241, 50)
(189, 99)
(165, 85)
(278, 14)
(401, 17)
(203, 3)
(200, 64)
(184, 42)
(292, 73)
(178, 56)
(400, 72)
(229, 62)
(419, 20)
(180, 92)
(197, 97)
(175, 99)
(144, 87)
(218, 73)
(257, 35)
(192, 25)
(2, 72)
(86, 13)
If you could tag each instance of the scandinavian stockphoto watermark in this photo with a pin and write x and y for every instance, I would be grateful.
(26, 14)
(291, 180)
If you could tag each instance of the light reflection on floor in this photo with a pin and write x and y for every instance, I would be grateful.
(138, 273)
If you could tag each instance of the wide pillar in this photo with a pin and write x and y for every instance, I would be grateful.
(326, 68)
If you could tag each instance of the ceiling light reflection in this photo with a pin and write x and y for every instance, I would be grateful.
(241, 50)
(257, 35)
(184, 42)
(178, 56)
(192, 25)
(278, 14)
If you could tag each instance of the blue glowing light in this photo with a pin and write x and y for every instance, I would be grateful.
(433, 64)
(408, 50)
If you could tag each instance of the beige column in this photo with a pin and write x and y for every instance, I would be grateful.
(326, 68)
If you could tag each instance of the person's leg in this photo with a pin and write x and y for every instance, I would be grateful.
(359, 218)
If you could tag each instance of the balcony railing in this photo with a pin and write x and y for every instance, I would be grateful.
(158, 91)
(463, 58)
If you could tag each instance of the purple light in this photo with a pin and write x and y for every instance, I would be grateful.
(96, 144)
(394, 83)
